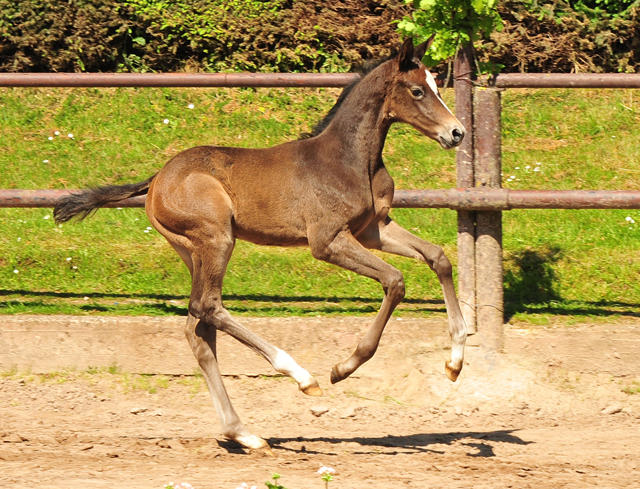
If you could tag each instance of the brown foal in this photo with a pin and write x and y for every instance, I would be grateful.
(330, 191)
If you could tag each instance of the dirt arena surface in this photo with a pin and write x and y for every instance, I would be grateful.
(512, 420)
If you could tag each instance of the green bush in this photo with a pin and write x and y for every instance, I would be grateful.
(553, 37)
(66, 36)
(194, 35)
(291, 35)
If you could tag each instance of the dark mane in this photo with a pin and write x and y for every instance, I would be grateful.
(363, 70)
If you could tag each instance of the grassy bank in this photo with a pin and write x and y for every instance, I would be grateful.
(558, 263)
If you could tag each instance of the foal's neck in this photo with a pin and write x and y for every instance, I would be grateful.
(361, 124)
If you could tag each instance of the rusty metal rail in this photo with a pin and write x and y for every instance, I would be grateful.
(203, 80)
(198, 80)
(503, 199)
(465, 199)
(566, 80)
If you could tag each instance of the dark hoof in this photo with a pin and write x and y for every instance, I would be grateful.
(335, 376)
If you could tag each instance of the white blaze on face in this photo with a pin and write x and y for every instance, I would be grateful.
(431, 81)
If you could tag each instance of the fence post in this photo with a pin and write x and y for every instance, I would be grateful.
(488, 167)
(463, 73)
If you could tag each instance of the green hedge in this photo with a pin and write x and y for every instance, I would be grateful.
(194, 35)
(291, 35)
(555, 37)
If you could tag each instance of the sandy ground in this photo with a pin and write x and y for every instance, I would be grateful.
(510, 421)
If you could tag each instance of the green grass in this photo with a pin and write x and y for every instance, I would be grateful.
(574, 264)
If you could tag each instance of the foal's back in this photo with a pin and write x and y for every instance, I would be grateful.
(273, 193)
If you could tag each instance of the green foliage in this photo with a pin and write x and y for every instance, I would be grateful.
(294, 35)
(194, 35)
(552, 36)
(62, 35)
(597, 7)
(274, 484)
(455, 22)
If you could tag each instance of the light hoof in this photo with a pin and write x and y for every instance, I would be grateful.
(265, 451)
(451, 371)
(253, 442)
(312, 389)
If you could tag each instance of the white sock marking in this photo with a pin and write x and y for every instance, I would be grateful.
(283, 363)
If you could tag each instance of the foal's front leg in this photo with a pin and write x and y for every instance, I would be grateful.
(345, 251)
(390, 237)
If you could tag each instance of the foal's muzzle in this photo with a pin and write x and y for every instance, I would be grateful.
(451, 138)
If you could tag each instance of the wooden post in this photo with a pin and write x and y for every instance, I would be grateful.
(488, 167)
(463, 86)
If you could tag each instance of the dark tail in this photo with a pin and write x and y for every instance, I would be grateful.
(86, 202)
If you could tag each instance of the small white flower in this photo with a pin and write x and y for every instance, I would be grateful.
(86, 298)
(536, 169)
(517, 167)
(45, 161)
(69, 259)
(19, 239)
(166, 121)
(527, 167)
(50, 138)
(57, 133)
(538, 163)
(119, 208)
(191, 106)
(146, 230)
(74, 267)
(46, 217)
(149, 228)
(16, 271)
(628, 218)
(512, 176)
(70, 136)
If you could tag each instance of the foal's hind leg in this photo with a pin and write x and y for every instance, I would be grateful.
(390, 237)
(202, 339)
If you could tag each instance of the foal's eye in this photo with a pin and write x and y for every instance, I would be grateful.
(417, 92)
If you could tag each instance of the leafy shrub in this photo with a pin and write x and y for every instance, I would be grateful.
(292, 35)
(553, 37)
(194, 35)
(57, 35)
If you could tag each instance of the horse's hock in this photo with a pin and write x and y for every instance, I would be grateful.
(408, 364)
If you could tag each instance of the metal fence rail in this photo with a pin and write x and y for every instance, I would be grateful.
(459, 199)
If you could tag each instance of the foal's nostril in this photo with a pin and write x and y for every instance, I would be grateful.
(457, 135)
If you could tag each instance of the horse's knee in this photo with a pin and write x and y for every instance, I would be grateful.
(394, 286)
(441, 264)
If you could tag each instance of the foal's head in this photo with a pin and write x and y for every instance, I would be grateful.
(414, 98)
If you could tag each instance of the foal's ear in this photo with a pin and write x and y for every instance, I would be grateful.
(405, 59)
(421, 49)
